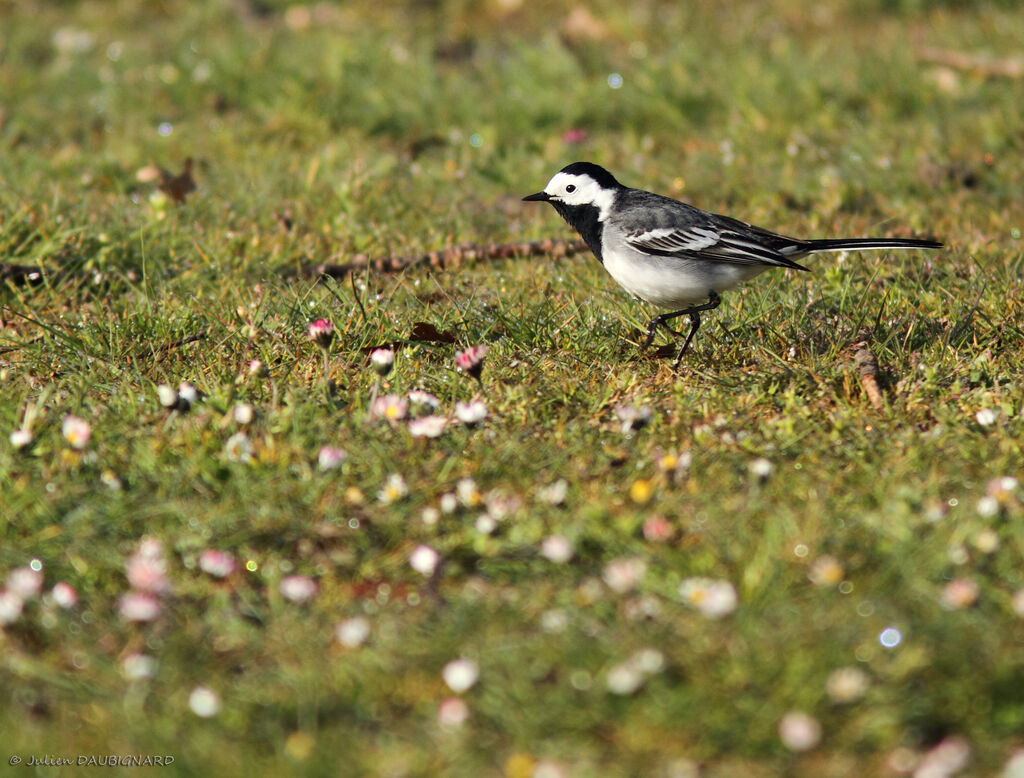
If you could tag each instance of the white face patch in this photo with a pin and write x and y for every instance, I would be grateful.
(581, 190)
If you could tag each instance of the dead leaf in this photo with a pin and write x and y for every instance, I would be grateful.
(177, 187)
(425, 332)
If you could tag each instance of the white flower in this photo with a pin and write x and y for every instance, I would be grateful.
(168, 396)
(25, 582)
(76, 431)
(460, 675)
(421, 402)
(353, 632)
(204, 702)
(219, 564)
(64, 595)
(960, 593)
(389, 407)
(452, 713)
(382, 360)
(554, 494)
(649, 660)
(554, 621)
(988, 507)
(1014, 767)
(448, 503)
(986, 417)
(1002, 487)
(987, 541)
(243, 413)
(430, 516)
(1018, 602)
(799, 731)
(500, 505)
(331, 458)
(847, 684)
(238, 448)
(624, 573)
(20, 438)
(714, 599)
(394, 489)
(760, 468)
(298, 588)
(428, 426)
(945, 759)
(485, 524)
(10, 607)
(471, 413)
(556, 548)
(545, 768)
(424, 560)
(187, 395)
(825, 571)
(468, 493)
(136, 667)
(624, 678)
(135, 606)
(146, 569)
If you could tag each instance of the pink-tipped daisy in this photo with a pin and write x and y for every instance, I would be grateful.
(321, 332)
(471, 361)
(331, 458)
(219, 564)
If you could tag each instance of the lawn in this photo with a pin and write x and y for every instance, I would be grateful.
(230, 546)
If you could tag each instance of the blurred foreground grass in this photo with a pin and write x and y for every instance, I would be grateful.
(884, 540)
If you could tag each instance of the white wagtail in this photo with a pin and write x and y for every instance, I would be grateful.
(672, 254)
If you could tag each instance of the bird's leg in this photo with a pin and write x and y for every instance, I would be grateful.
(694, 326)
(662, 321)
(694, 313)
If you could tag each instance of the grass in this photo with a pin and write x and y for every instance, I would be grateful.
(322, 132)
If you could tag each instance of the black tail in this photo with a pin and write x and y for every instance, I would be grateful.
(868, 244)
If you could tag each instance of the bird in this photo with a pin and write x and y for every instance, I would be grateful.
(674, 255)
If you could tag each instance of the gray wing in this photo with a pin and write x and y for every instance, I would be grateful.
(669, 228)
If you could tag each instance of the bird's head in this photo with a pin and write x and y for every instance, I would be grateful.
(580, 185)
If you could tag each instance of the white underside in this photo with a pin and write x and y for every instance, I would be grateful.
(672, 282)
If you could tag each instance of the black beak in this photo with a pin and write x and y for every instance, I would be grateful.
(540, 196)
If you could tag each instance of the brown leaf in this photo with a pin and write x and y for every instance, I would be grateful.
(425, 332)
(666, 350)
(177, 187)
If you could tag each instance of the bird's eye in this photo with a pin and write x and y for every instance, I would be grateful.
(570, 189)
